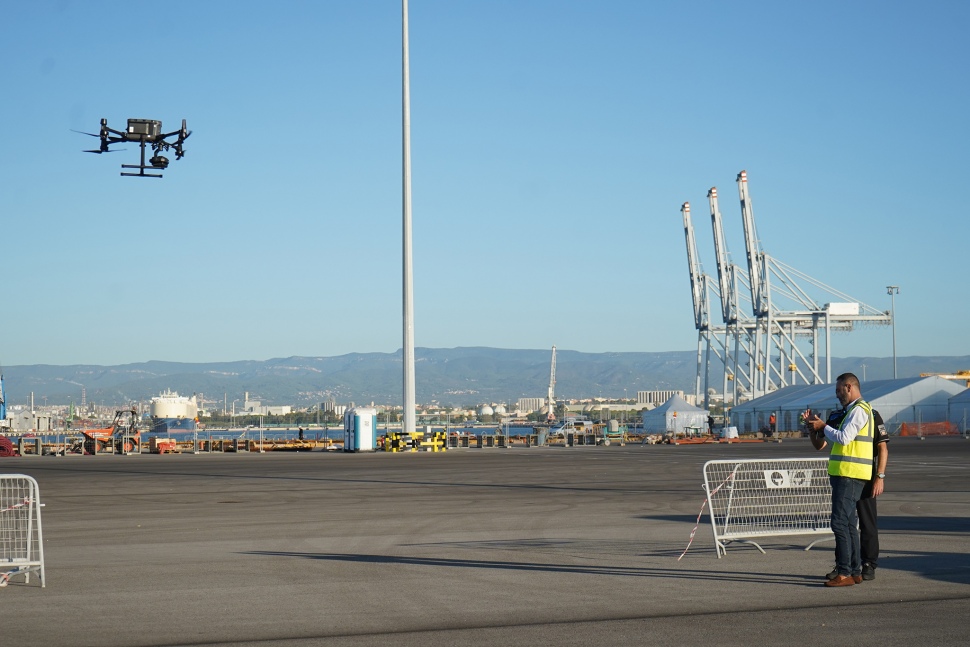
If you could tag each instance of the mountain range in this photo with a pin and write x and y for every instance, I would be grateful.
(450, 376)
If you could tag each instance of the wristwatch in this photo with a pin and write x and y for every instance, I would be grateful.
(881, 475)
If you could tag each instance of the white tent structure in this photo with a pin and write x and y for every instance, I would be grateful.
(906, 400)
(786, 403)
(959, 411)
(674, 417)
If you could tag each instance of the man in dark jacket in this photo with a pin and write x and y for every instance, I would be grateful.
(866, 507)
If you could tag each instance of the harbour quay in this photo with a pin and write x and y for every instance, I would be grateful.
(538, 546)
(115, 440)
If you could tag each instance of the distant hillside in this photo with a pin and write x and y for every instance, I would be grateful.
(452, 376)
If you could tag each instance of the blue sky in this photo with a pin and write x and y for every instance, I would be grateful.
(553, 143)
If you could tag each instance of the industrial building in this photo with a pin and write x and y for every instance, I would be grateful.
(657, 397)
(959, 411)
(914, 400)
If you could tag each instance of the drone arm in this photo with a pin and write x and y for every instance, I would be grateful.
(161, 144)
(121, 135)
(182, 133)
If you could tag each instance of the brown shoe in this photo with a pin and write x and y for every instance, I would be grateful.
(857, 579)
(841, 580)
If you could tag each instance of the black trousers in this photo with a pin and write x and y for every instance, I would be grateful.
(868, 527)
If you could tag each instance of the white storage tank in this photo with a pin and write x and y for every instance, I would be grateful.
(360, 429)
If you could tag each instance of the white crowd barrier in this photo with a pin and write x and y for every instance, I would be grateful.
(21, 536)
(751, 499)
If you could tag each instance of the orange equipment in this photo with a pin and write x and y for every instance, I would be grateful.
(122, 436)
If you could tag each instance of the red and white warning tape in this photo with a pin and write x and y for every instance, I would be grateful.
(17, 505)
(730, 477)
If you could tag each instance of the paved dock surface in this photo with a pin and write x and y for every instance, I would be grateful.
(522, 546)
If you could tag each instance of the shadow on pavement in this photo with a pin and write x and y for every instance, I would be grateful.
(924, 524)
(612, 571)
(943, 567)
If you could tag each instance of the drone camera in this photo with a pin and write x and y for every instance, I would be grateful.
(159, 161)
(150, 128)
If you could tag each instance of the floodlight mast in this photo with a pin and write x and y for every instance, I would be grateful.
(892, 291)
(409, 417)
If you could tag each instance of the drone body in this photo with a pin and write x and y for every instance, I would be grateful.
(143, 131)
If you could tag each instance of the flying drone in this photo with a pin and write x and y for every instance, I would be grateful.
(143, 131)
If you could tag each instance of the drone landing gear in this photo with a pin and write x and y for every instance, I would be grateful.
(157, 162)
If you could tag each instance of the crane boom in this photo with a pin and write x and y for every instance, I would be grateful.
(724, 271)
(757, 272)
(698, 281)
(551, 397)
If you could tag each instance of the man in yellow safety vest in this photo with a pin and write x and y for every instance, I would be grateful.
(850, 468)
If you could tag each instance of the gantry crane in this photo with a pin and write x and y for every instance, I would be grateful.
(737, 326)
(700, 288)
(778, 329)
(769, 333)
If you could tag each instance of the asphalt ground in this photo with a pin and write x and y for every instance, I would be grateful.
(521, 546)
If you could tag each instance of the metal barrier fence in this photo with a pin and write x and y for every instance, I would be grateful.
(749, 499)
(21, 536)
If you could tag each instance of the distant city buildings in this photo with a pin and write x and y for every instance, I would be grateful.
(24, 420)
(658, 397)
(256, 408)
(332, 407)
(30, 418)
(530, 404)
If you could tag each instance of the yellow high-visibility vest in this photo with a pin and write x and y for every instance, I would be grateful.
(855, 459)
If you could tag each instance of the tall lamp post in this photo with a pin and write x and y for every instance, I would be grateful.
(408, 420)
(892, 291)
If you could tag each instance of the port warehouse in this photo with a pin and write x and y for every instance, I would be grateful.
(904, 403)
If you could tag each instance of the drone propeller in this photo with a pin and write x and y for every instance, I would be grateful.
(183, 134)
(84, 133)
(107, 150)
